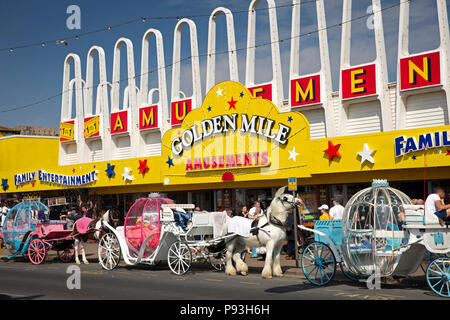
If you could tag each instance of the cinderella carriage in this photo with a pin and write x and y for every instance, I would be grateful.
(27, 231)
(156, 229)
(381, 234)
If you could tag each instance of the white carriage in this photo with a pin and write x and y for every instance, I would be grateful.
(156, 229)
(381, 234)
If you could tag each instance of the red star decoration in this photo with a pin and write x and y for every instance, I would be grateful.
(143, 166)
(332, 151)
(232, 104)
(73, 170)
(32, 184)
(448, 152)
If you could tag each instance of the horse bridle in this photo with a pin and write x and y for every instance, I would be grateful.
(276, 221)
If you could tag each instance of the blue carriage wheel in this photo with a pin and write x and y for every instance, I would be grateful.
(438, 276)
(318, 263)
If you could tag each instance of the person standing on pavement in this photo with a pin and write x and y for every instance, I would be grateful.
(337, 210)
(290, 236)
(4, 209)
(324, 213)
(85, 211)
(3, 213)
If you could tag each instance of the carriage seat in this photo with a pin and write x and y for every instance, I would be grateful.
(167, 215)
(416, 215)
(202, 224)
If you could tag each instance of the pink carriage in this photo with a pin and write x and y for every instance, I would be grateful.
(156, 229)
(27, 231)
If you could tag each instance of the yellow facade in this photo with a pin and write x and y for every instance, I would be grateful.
(289, 153)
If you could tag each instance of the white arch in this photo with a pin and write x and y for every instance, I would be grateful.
(232, 55)
(66, 106)
(325, 66)
(130, 148)
(145, 96)
(380, 64)
(195, 65)
(102, 89)
(277, 80)
(116, 74)
(66, 156)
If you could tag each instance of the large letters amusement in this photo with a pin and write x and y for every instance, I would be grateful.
(233, 130)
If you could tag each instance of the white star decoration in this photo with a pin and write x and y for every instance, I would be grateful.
(293, 155)
(126, 174)
(219, 92)
(366, 154)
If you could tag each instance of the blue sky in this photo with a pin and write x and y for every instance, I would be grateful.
(31, 74)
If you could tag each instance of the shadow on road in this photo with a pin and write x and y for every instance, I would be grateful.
(8, 297)
(297, 287)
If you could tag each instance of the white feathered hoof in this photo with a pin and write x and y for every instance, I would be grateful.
(266, 273)
(86, 262)
(243, 268)
(278, 274)
(231, 271)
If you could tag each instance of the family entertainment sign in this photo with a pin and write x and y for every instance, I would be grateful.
(56, 178)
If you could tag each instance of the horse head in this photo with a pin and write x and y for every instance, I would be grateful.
(281, 206)
(112, 217)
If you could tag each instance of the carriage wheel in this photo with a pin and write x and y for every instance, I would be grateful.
(438, 276)
(109, 251)
(179, 258)
(218, 260)
(318, 263)
(36, 251)
(66, 255)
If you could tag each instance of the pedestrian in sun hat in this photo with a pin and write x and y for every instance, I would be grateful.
(324, 210)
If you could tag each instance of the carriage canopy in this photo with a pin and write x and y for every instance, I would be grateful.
(20, 220)
(142, 224)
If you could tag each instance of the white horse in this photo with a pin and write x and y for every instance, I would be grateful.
(271, 230)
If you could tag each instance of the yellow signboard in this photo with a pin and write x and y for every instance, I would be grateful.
(235, 132)
(66, 131)
(91, 127)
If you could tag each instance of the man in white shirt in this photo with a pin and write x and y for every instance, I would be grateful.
(435, 204)
(3, 212)
(337, 210)
(255, 211)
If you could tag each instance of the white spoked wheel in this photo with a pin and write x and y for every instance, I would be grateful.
(109, 251)
(179, 258)
(218, 260)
